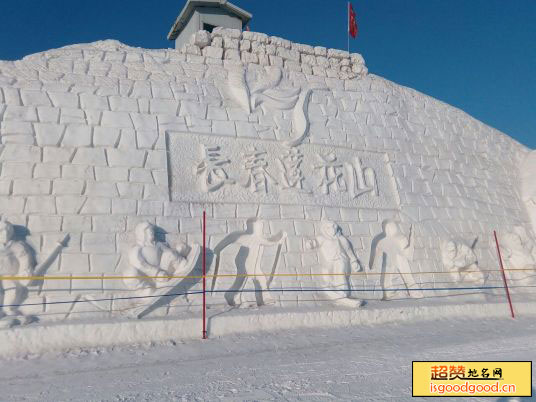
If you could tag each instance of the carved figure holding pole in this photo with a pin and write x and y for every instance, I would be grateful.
(248, 264)
(393, 254)
(16, 260)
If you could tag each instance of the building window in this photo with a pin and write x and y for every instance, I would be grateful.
(208, 27)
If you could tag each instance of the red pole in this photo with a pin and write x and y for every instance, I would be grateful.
(504, 275)
(204, 275)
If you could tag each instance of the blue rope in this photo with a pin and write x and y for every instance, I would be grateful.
(265, 290)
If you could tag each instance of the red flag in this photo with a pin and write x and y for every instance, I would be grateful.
(352, 23)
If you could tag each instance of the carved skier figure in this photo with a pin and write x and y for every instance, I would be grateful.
(339, 261)
(15, 260)
(393, 254)
(248, 263)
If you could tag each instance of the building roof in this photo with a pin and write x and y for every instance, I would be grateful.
(191, 5)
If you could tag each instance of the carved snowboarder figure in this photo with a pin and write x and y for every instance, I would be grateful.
(340, 260)
(248, 264)
(394, 253)
(15, 260)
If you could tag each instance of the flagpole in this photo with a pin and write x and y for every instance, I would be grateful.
(348, 26)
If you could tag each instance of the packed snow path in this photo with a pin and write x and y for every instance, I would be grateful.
(357, 363)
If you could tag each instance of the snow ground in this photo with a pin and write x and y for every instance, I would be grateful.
(352, 363)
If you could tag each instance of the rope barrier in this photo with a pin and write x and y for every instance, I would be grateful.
(269, 290)
(87, 277)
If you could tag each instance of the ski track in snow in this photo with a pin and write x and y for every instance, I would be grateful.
(352, 363)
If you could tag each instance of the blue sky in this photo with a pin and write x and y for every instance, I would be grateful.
(478, 55)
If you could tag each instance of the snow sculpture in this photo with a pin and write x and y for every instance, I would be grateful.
(153, 263)
(339, 262)
(248, 264)
(96, 135)
(528, 241)
(16, 260)
(155, 270)
(228, 169)
(263, 92)
(518, 254)
(528, 186)
(461, 261)
(392, 256)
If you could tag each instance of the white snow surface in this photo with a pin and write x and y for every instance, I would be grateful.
(62, 336)
(352, 363)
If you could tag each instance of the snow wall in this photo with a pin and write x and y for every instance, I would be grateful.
(98, 138)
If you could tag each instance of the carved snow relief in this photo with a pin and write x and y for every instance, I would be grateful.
(208, 168)
(528, 186)
(460, 260)
(17, 260)
(211, 170)
(152, 263)
(519, 254)
(251, 287)
(265, 91)
(339, 262)
(156, 273)
(392, 256)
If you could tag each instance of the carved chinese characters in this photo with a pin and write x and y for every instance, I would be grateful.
(221, 169)
(291, 170)
(211, 170)
(348, 176)
(257, 177)
(331, 174)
